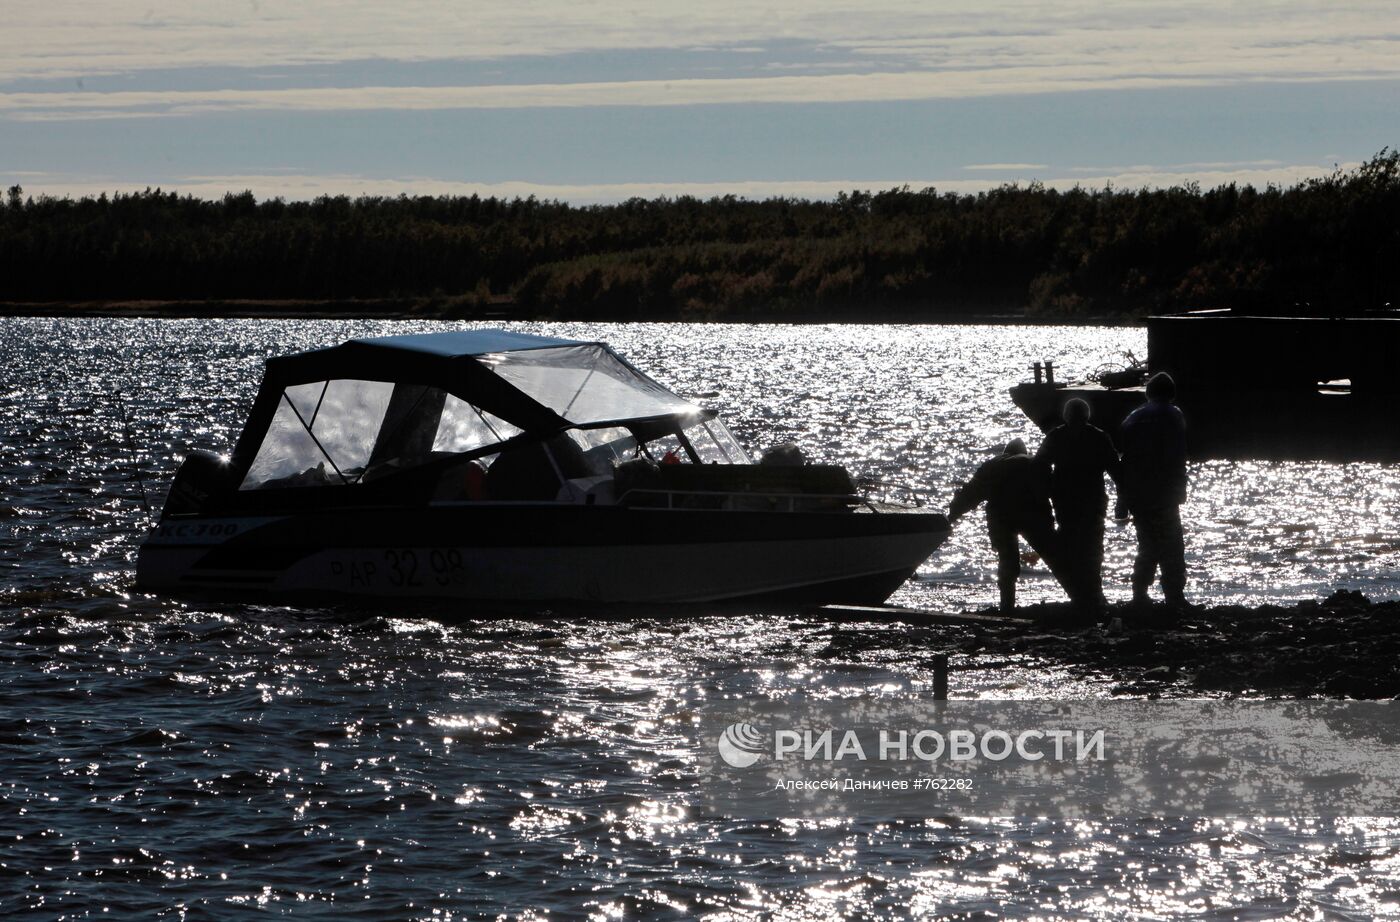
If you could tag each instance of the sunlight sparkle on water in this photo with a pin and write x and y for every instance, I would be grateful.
(275, 755)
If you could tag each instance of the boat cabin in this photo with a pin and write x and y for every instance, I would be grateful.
(486, 415)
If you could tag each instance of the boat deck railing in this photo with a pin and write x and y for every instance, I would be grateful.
(887, 491)
(737, 500)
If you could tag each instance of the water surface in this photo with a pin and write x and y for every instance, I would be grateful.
(174, 759)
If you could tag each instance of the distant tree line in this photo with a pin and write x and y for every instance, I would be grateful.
(1332, 243)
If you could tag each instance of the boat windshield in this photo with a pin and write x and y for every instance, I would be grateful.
(715, 444)
(346, 431)
(586, 384)
(710, 439)
(603, 448)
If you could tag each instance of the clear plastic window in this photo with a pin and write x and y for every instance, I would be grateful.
(705, 445)
(321, 434)
(602, 448)
(714, 444)
(463, 427)
(585, 383)
(667, 449)
(347, 431)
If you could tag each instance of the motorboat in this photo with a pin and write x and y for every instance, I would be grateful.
(498, 465)
(1252, 385)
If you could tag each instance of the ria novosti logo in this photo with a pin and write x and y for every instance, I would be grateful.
(741, 745)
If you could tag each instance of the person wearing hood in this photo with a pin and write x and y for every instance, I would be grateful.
(1016, 489)
(1079, 455)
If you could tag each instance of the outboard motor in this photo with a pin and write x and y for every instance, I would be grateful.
(202, 475)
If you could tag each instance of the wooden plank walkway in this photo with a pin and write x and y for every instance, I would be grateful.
(919, 615)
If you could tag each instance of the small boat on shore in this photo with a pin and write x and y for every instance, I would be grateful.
(493, 465)
(1254, 386)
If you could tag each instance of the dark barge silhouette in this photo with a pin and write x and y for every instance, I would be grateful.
(1253, 386)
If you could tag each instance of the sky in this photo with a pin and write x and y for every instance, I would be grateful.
(602, 100)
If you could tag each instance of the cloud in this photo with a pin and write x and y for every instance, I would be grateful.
(880, 87)
(1261, 171)
(890, 49)
(1148, 177)
(302, 186)
(1006, 167)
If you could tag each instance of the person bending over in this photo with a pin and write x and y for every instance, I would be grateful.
(1015, 488)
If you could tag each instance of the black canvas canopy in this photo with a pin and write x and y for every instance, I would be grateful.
(367, 399)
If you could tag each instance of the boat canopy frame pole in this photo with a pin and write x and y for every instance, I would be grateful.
(399, 425)
(689, 448)
(319, 400)
(593, 366)
(327, 455)
(484, 421)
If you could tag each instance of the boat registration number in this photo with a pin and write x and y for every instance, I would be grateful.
(401, 568)
(193, 531)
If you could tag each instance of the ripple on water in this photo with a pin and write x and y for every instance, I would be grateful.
(225, 759)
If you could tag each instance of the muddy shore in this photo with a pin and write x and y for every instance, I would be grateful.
(1344, 646)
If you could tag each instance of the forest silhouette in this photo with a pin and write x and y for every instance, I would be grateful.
(1326, 245)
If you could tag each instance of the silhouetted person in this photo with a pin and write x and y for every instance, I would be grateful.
(1079, 455)
(1016, 490)
(1153, 487)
